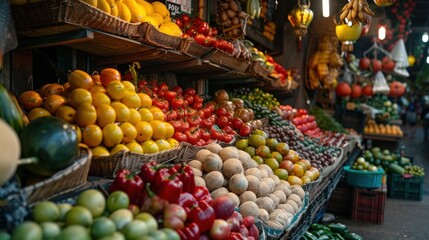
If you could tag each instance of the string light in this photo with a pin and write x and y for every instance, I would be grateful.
(425, 37)
(325, 8)
(382, 32)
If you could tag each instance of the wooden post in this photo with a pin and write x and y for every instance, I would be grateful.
(21, 71)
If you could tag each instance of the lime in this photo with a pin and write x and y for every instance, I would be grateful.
(117, 200)
(50, 230)
(64, 208)
(79, 215)
(46, 211)
(102, 227)
(272, 143)
(93, 200)
(250, 150)
(74, 232)
(114, 236)
(159, 235)
(258, 159)
(171, 234)
(28, 231)
(121, 217)
(150, 221)
(134, 229)
(242, 144)
(256, 140)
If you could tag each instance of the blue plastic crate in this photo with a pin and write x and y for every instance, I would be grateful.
(363, 179)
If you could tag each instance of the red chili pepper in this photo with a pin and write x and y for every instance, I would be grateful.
(203, 216)
(201, 193)
(168, 186)
(188, 179)
(147, 172)
(129, 183)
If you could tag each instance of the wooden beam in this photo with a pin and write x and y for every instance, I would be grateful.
(172, 67)
(56, 40)
(129, 58)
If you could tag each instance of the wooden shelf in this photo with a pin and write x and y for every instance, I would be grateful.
(380, 137)
(256, 36)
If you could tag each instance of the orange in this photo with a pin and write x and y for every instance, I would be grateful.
(116, 90)
(105, 115)
(145, 100)
(162, 144)
(122, 112)
(78, 132)
(92, 135)
(129, 86)
(80, 79)
(173, 142)
(96, 78)
(42, 89)
(79, 96)
(169, 130)
(159, 129)
(99, 98)
(66, 113)
(53, 102)
(108, 75)
(129, 131)
(53, 88)
(118, 148)
(150, 146)
(112, 135)
(100, 151)
(38, 112)
(294, 180)
(134, 116)
(144, 131)
(157, 113)
(298, 170)
(97, 88)
(30, 100)
(145, 114)
(86, 114)
(135, 147)
(131, 99)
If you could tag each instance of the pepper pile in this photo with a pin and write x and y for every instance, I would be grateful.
(337, 231)
(170, 194)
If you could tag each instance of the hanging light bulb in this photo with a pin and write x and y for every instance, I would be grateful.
(382, 32)
(325, 8)
(300, 18)
(425, 37)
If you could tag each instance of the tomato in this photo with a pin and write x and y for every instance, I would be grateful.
(214, 31)
(177, 125)
(185, 35)
(200, 142)
(179, 136)
(221, 112)
(180, 113)
(189, 99)
(227, 138)
(201, 39)
(203, 28)
(198, 99)
(186, 19)
(216, 133)
(178, 21)
(208, 122)
(190, 111)
(208, 109)
(236, 123)
(193, 135)
(229, 116)
(245, 130)
(222, 121)
(205, 134)
(171, 115)
(163, 87)
(177, 102)
(109, 74)
(178, 90)
(197, 21)
(194, 120)
(192, 32)
(213, 41)
(190, 91)
(227, 129)
(185, 125)
(197, 105)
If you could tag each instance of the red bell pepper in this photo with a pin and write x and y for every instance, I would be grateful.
(236, 236)
(187, 201)
(168, 186)
(150, 202)
(187, 177)
(190, 232)
(203, 216)
(129, 183)
(147, 172)
(201, 193)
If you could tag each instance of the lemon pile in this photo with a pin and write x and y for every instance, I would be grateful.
(108, 115)
(155, 13)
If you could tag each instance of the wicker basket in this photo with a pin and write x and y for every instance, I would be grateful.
(63, 181)
(226, 60)
(189, 47)
(187, 152)
(105, 166)
(150, 35)
(258, 70)
(75, 12)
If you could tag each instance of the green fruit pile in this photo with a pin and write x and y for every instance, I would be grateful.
(256, 96)
(362, 164)
(92, 217)
(415, 170)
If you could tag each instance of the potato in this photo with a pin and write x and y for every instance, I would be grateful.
(242, 155)
(264, 189)
(274, 224)
(267, 168)
(249, 163)
(202, 154)
(233, 6)
(284, 182)
(293, 205)
(214, 147)
(266, 203)
(212, 162)
(231, 167)
(238, 183)
(196, 164)
(276, 179)
(199, 181)
(214, 180)
(281, 216)
(285, 188)
(264, 215)
(280, 195)
(275, 199)
(294, 197)
(264, 173)
(270, 183)
(234, 198)
(249, 209)
(225, 182)
(219, 192)
(253, 183)
(197, 172)
(228, 152)
(247, 196)
(287, 207)
(231, 14)
(254, 172)
(235, 21)
(298, 191)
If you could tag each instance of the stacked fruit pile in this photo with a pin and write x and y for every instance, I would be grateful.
(383, 129)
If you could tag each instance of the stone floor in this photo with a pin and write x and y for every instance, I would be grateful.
(402, 219)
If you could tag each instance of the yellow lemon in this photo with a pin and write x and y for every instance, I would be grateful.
(97, 88)
(173, 142)
(99, 98)
(147, 6)
(66, 113)
(129, 131)
(150, 146)
(158, 18)
(78, 132)
(131, 99)
(113, 8)
(103, 5)
(145, 100)
(79, 96)
(157, 113)
(118, 148)
(112, 135)
(129, 86)
(176, 29)
(169, 130)
(144, 131)
(91, 2)
(162, 144)
(92, 135)
(158, 128)
(135, 147)
(116, 90)
(37, 112)
(152, 21)
(145, 114)
(138, 13)
(160, 8)
(105, 115)
(86, 114)
(122, 112)
(166, 29)
(134, 116)
(124, 12)
(100, 151)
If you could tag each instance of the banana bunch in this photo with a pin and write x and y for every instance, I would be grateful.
(356, 11)
(324, 65)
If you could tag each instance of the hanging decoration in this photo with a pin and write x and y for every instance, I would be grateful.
(380, 84)
(348, 35)
(384, 3)
(399, 55)
(300, 18)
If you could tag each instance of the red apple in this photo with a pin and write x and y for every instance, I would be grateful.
(254, 231)
(286, 164)
(364, 63)
(173, 223)
(223, 207)
(244, 231)
(220, 230)
(376, 65)
(387, 64)
(248, 221)
(175, 210)
(234, 224)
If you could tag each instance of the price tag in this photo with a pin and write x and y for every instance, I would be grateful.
(174, 8)
(177, 7)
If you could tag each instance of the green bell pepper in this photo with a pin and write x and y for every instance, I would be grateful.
(316, 227)
(326, 237)
(338, 228)
(337, 236)
(352, 236)
(321, 232)
(309, 236)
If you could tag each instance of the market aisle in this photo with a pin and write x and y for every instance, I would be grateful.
(402, 219)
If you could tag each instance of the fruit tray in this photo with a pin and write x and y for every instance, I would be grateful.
(189, 47)
(367, 179)
(224, 59)
(150, 35)
(405, 187)
(63, 181)
(64, 15)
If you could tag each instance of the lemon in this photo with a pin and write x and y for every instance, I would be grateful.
(173, 142)
(147, 6)
(79, 96)
(97, 88)
(91, 2)
(99, 98)
(116, 90)
(103, 5)
(131, 99)
(145, 99)
(92, 135)
(129, 86)
(152, 21)
(144, 131)
(157, 113)
(160, 8)
(166, 30)
(150, 146)
(159, 129)
(174, 27)
(135, 147)
(124, 12)
(113, 8)
(162, 144)
(118, 148)
(138, 13)
(122, 112)
(134, 116)
(158, 17)
(129, 131)
(86, 114)
(112, 135)
(105, 114)
(100, 151)
(145, 114)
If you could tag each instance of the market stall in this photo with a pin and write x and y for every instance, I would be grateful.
(151, 120)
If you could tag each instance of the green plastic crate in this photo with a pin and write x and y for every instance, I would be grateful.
(405, 187)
